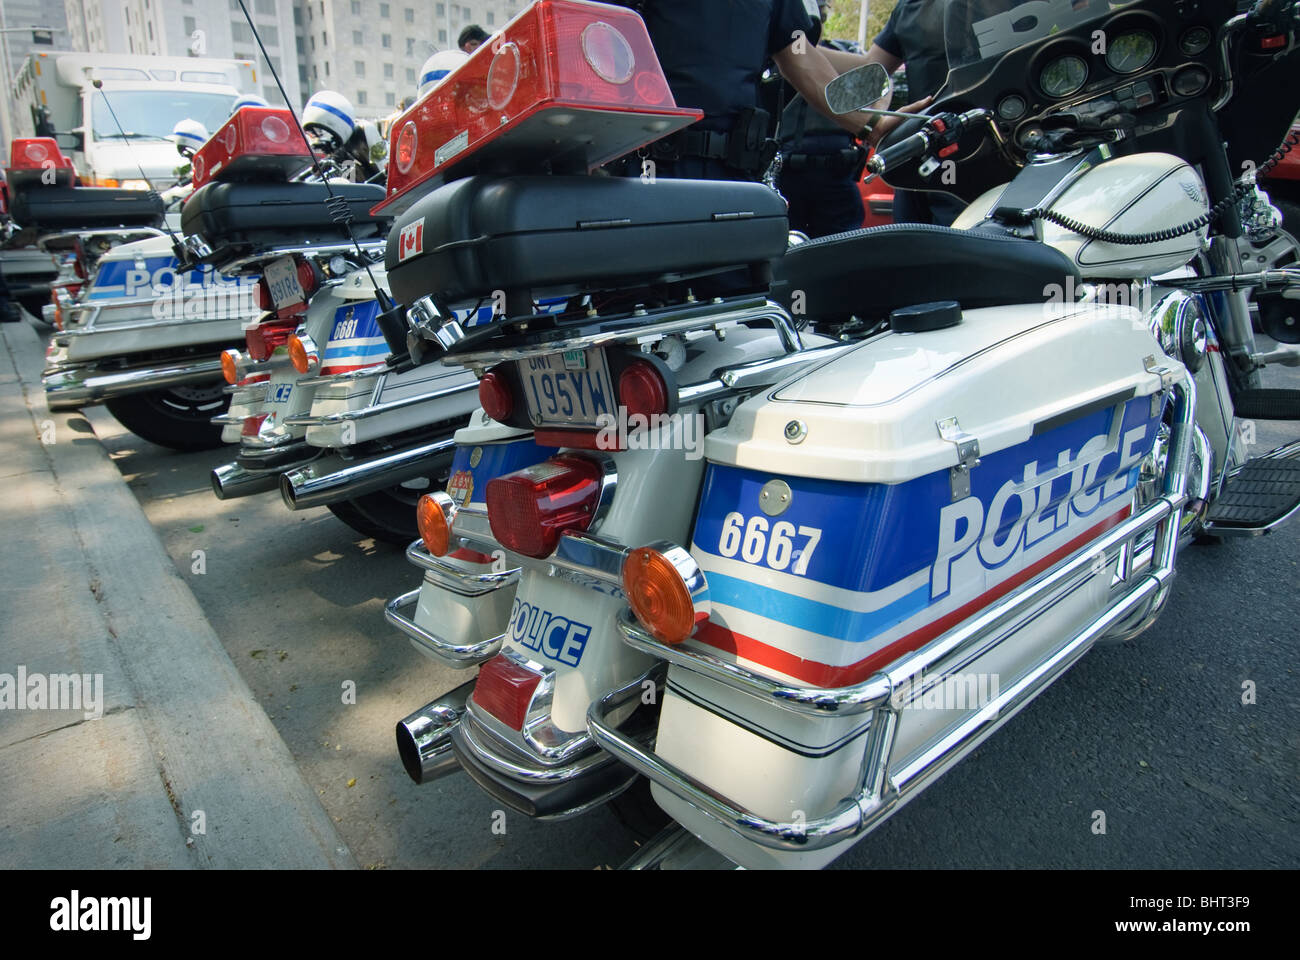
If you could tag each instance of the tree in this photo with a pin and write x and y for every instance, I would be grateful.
(843, 20)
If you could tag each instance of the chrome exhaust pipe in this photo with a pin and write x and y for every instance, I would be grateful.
(230, 480)
(82, 386)
(333, 479)
(424, 738)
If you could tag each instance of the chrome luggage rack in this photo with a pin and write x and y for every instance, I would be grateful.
(882, 786)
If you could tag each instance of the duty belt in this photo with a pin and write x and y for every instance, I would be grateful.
(841, 161)
(706, 144)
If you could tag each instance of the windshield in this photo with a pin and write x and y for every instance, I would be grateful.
(976, 30)
(151, 114)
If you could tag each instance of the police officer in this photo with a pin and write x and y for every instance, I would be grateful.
(820, 163)
(471, 38)
(913, 36)
(712, 56)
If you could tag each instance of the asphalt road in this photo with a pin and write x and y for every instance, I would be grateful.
(1152, 732)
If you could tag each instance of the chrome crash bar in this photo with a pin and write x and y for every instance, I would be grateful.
(882, 785)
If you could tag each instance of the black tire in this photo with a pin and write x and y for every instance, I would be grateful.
(179, 418)
(636, 809)
(34, 305)
(389, 515)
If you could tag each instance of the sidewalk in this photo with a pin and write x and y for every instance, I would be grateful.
(176, 742)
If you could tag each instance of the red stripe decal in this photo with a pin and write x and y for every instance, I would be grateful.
(824, 675)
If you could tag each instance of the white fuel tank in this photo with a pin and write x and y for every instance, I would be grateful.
(1139, 194)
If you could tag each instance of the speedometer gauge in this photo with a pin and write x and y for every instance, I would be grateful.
(1063, 76)
(1131, 51)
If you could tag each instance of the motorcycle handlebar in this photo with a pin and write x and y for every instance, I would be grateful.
(942, 130)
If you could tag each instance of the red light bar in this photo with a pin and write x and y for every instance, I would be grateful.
(257, 143)
(30, 157)
(563, 79)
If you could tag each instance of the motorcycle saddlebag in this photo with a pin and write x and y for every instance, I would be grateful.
(241, 215)
(58, 208)
(565, 235)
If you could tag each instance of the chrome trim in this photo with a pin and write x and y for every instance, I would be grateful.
(880, 787)
(373, 247)
(518, 767)
(361, 374)
(466, 654)
(333, 479)
(677, 319)
(230, 480)
(424, 738)
(67, 389)
(364, 413)
(451, 578)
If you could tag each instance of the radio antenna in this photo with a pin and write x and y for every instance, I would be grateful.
(339, 210)
(177, 249)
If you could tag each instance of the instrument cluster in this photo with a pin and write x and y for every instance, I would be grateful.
(1134, 58)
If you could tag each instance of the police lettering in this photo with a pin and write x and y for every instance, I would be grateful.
(556, 637)
(969, 529)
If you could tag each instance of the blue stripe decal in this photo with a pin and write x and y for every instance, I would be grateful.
(827, 619)
(334, 110)
(371, 350)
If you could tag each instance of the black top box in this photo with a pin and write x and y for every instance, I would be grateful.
(244, 215)
(52, 207)
(573, 234)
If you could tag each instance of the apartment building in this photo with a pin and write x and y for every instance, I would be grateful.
(371, 51)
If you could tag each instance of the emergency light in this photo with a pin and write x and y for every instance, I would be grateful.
(31, 157)
(257, 143)
(566, 85)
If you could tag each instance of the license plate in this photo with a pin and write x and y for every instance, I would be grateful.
(282, 280)
(568, 389)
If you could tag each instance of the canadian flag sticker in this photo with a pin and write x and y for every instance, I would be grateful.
(411, 240)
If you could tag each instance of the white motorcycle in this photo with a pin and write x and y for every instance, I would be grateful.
(905, 525)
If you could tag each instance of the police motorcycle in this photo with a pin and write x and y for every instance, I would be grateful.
(316, 411)
(290, 211)
(984, 537)
(138, 332)
(380, 437)
(885, 555)
(55, 229)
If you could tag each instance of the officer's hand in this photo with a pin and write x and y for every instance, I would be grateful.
(885, 125)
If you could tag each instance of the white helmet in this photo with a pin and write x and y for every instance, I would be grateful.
(247, 100)
(188, 135)
(438, 66)
(330, 111)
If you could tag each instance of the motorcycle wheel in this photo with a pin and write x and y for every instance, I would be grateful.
(389, 515)
(179, 418)
(1279, 317)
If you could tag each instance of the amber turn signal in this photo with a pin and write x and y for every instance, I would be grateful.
(666, 590)
(434, 514)
(230, 365)
(303, 353)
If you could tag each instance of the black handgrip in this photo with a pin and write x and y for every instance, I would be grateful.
(906, 149)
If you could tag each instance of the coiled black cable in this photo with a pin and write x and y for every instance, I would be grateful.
(340, 209)
(1134, 239)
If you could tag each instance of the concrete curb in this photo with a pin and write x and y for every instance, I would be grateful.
(211, 744)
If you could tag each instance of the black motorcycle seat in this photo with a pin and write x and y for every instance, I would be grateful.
(868, 273)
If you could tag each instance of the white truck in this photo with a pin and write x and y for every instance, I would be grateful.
(147, 94)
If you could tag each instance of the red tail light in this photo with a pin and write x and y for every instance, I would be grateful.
(642, 390)
(256, 143)
(263, 338)
(495, 396)
(252, 425)
(505, 689)
(562, 78)
(262, 295)
(529, 509)
(307, 278)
